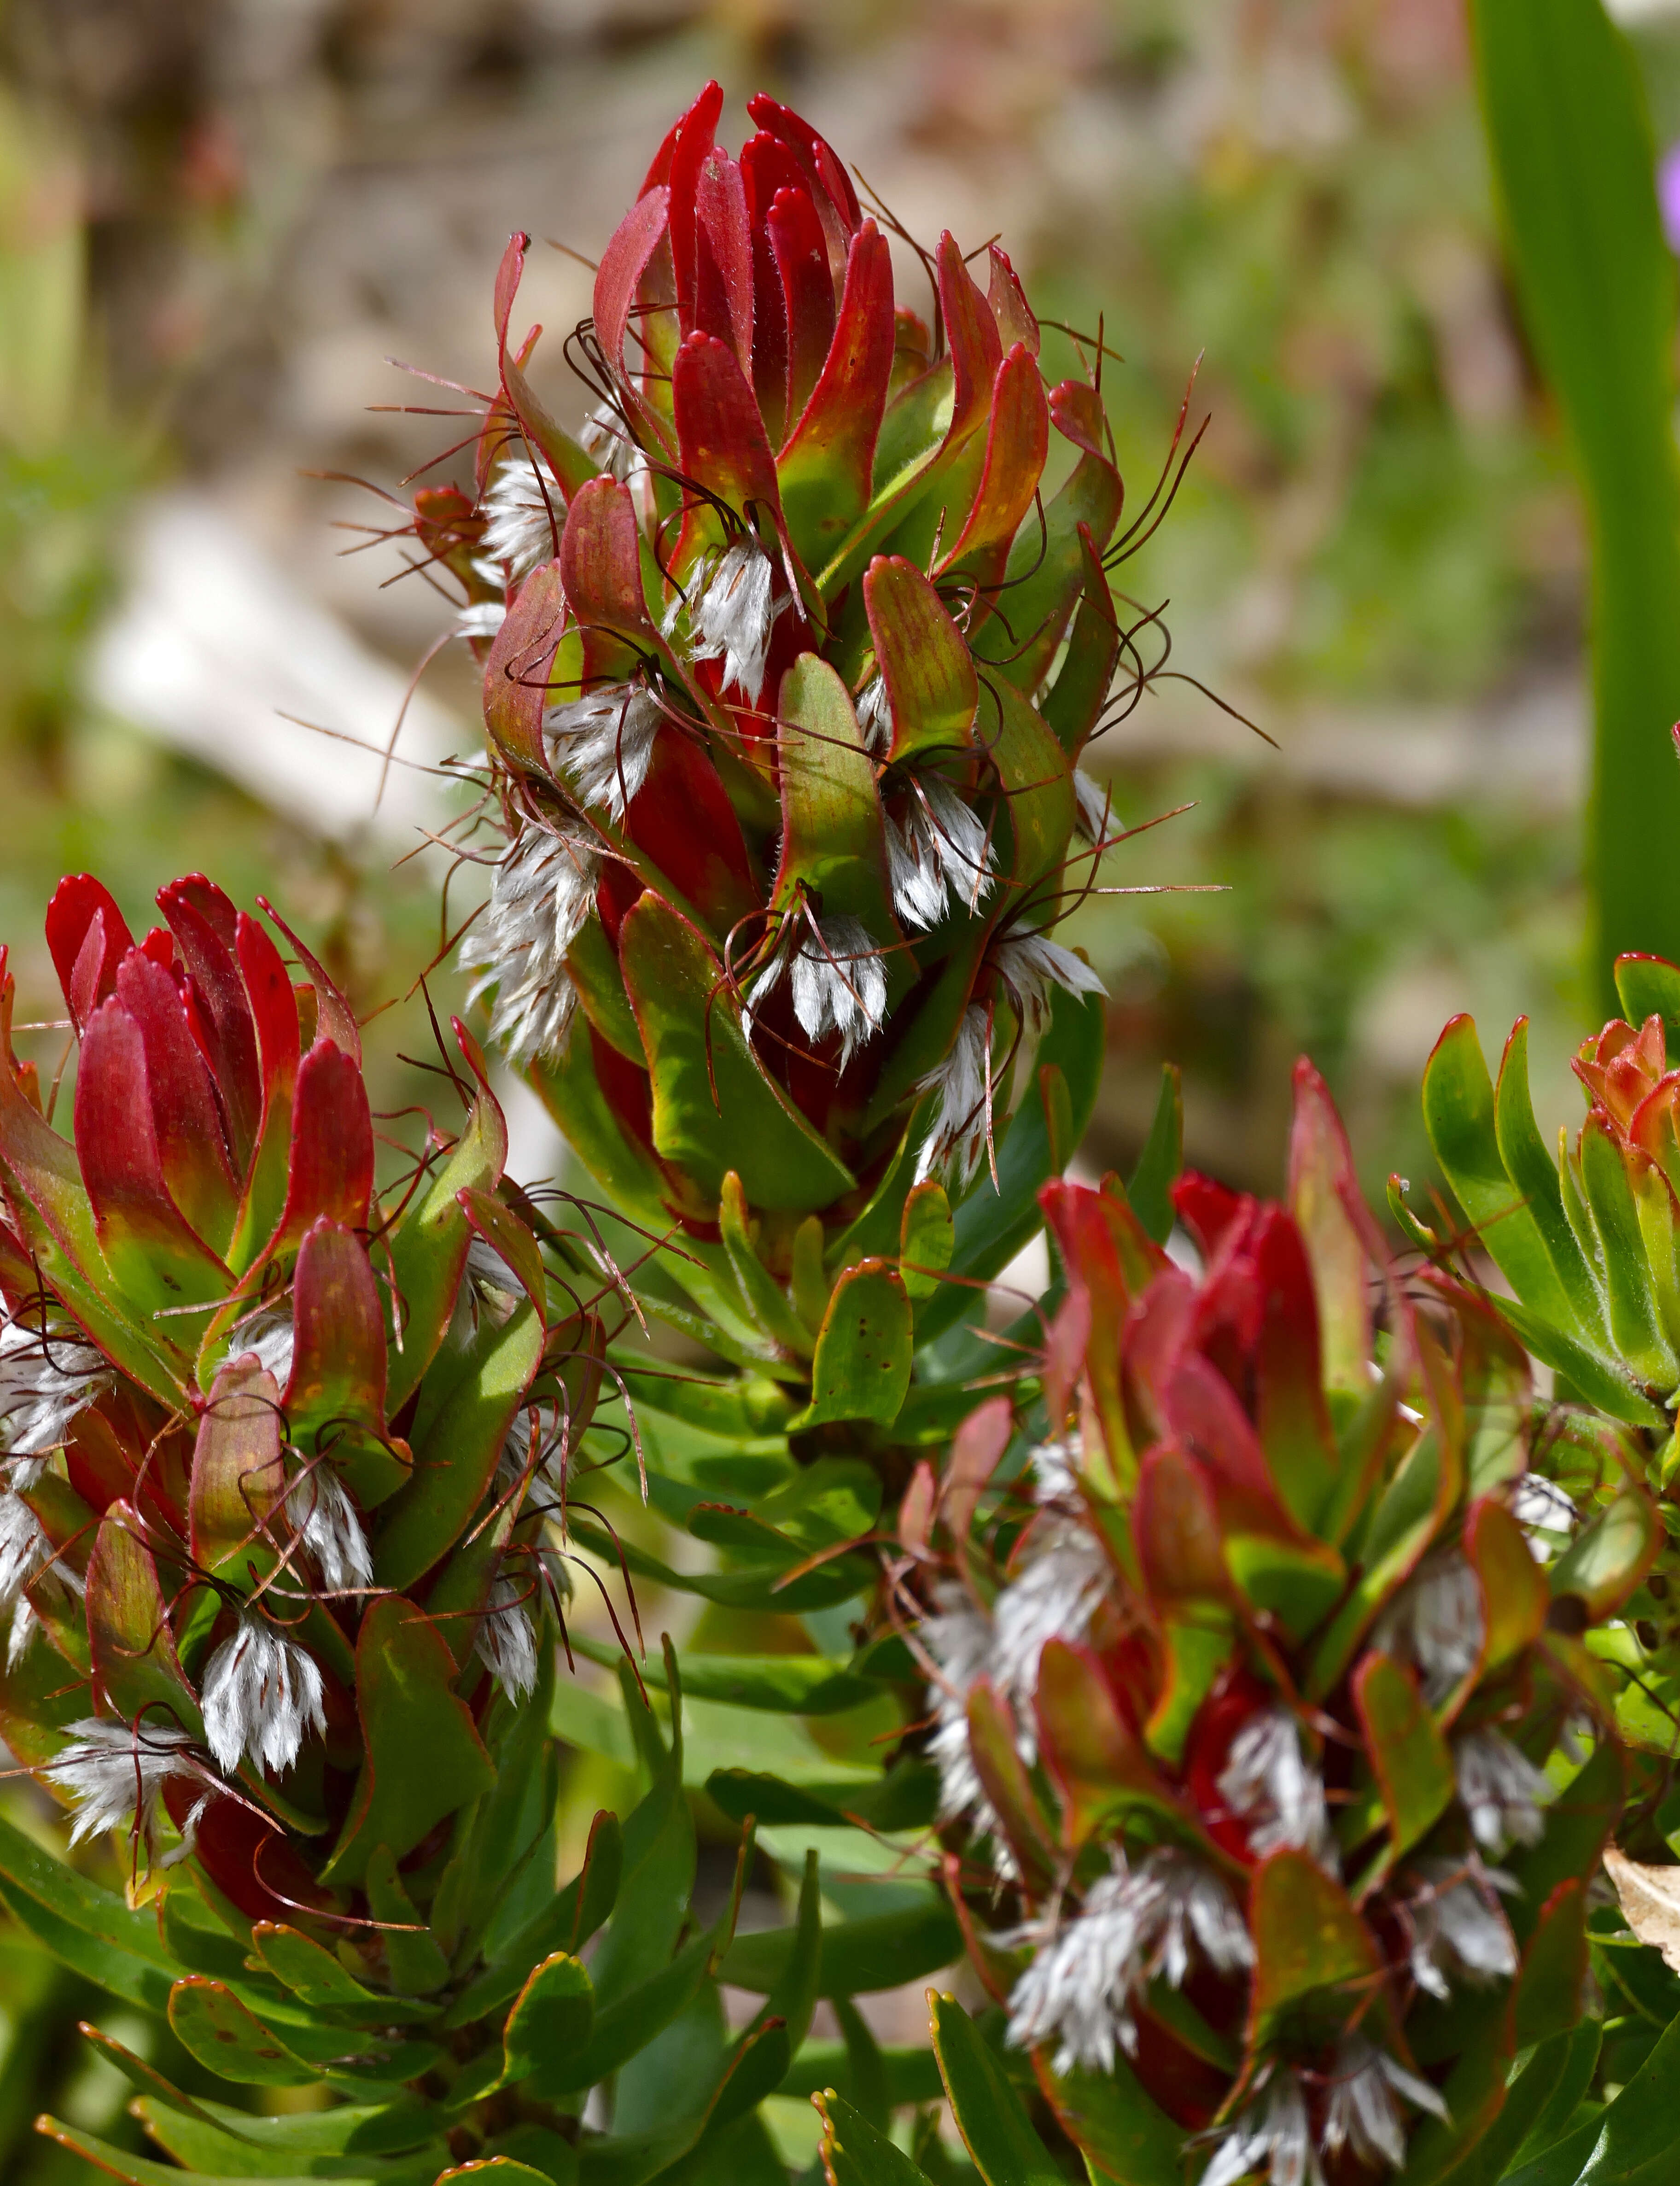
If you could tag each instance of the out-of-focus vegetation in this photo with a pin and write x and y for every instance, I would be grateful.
(233, 213)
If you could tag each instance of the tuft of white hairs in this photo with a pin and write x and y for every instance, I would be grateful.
(733, 613)
(839, 981)
(602, 744)
(1031, 965)
(956, 1144)
(523, 510)
(939, 850)
(261, 1691)
(543, 892)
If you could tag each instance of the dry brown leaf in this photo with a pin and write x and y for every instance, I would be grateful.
(1650, 1902)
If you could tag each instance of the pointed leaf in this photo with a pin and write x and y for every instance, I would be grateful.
(862, 1366)
(424, 1757)
(1413, 1767)
(923, 658)
(691, 1033)
(989, 2114)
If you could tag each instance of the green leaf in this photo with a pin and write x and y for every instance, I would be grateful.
(862, 1367)
(789, 1684)
(423, 1756)
(766, 1302)
(139, 2170)
(993, 1226)
(457, 1445)
(1649, 987)
(1149, 1186)
(551, 2020)
(1533, 1172)
(1457, 1105)
(834, 842)
(1308, 1941)
(859, 1957)
(212, 2025)
(989, 2114)
(658, 1859)
(1636, 1336)
(565, 1924)
(927, 1239)
(1413, 1767)
(714, 1109)
(90, 1929)
(416, 1963)
(315, 1977)
(1574, 164)
(792, 1997)
(1120, 2131)
(428, 1246)
(855, 2153)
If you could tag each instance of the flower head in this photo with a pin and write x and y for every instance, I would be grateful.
(733, 614)
(955, 1145)
(261, 1692)
(543, 891)
(525, 508)
(114, 1774)
(1502, 1790)
(839, 983)
(1362, 2113)
(939, 849)
(1135, 1923)
(330, 1527)
(47, 1377)
(506, 1643)
(1273, 2137)
(603, 744)
(1269, 1784)
(1436, 1622)
(1031, 965)
(1458, 1926)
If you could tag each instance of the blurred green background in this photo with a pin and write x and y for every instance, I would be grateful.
(220, 219)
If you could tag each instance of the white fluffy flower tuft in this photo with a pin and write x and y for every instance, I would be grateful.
(955, 1146)
(1057, 1470)
(260, 1693)
(1032, 965)
(1362, 2113)
(1272, 2138)
(268, 1336)
(1093, 802)
(507, 1644)
(731, 617)
(481, 619)
(605, 441)
(47, 1377)
(1502, 1791)
(114, 1774)
(1063, 1577)
(1436, 1623)
(1135, 1923)
(329, 1523)
(24, 1550)
(543, 892)
(959, 1638)
(1457, 1926)
(523, 509)
(940, 849)
(875, 715)
(839, 981)
(1268, 1783)
(604, 743)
